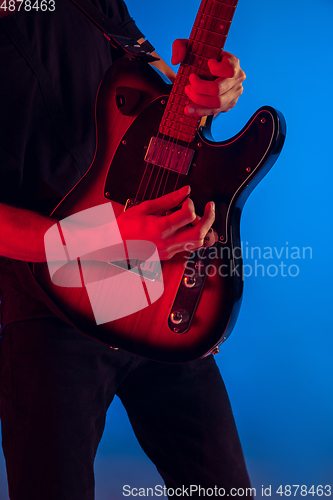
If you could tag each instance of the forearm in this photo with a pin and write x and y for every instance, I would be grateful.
(22, 233)
(23, 237)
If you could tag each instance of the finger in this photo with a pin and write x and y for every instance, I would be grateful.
(193, 237)
(227, 67)
(186, 215)
(195, 110)
(212, 88)
(203, 105)
(199, 111)
(202, 99)
(166, 202)
(179, 48)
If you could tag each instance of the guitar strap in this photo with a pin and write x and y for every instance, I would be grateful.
(114, 33)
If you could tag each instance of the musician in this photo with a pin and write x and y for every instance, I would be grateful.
(56, 384)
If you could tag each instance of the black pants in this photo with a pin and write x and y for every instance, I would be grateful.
(56, 386)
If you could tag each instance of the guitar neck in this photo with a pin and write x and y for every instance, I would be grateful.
(206, 41)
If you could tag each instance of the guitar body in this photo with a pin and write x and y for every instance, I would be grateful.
(224, 172)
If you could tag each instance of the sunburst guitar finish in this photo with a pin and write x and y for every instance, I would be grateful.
(131, 103)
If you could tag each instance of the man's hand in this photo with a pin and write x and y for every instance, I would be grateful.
(172, 233)
(212, 97)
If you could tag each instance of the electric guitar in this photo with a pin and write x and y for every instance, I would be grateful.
(183, 308)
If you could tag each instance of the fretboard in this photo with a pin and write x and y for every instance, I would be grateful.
(206, 41)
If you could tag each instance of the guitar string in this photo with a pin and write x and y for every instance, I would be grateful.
(152, 170)
(176, 139)
(201, 13)
(151, 173)
(204, 54)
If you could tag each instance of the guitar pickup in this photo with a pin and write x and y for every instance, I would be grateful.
(166, 154)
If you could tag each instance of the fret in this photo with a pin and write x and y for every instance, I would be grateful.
(224, 12)
(179, 88)
(207, 39)
(231, 2)
(205, 17)
(179, 136)
(190, 66)
(207, 51)
(179, 127)
(178, 133)
(212, 25)
(176, 128)
(214, 6)
(216, 11)
(185, 70)
(192, 55)
(215, 45)
(220, 27)
(179, 109)
(205, 36)
(182, 80)
(225, 2)
(199, 48)
(176, 109)
(180, 118)
(221, 3)
(176, 97)
(192, 59)
(177, 92)
(185, 120)
(174, 123)
(200, 22)
(228, 2)
(183, 137)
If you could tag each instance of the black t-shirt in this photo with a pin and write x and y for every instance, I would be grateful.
(42, 159)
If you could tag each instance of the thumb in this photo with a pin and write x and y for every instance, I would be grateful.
(166, 202)
(223, 68)
(179, 48)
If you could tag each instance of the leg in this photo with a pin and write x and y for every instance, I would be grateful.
(183, 420)
(56, 386)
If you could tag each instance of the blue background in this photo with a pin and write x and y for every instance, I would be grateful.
(277, 363)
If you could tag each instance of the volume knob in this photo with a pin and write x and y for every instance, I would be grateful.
(180, 316)
(189, 281)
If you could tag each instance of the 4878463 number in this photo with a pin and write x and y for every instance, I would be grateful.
(303, 490)
(27, 5)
